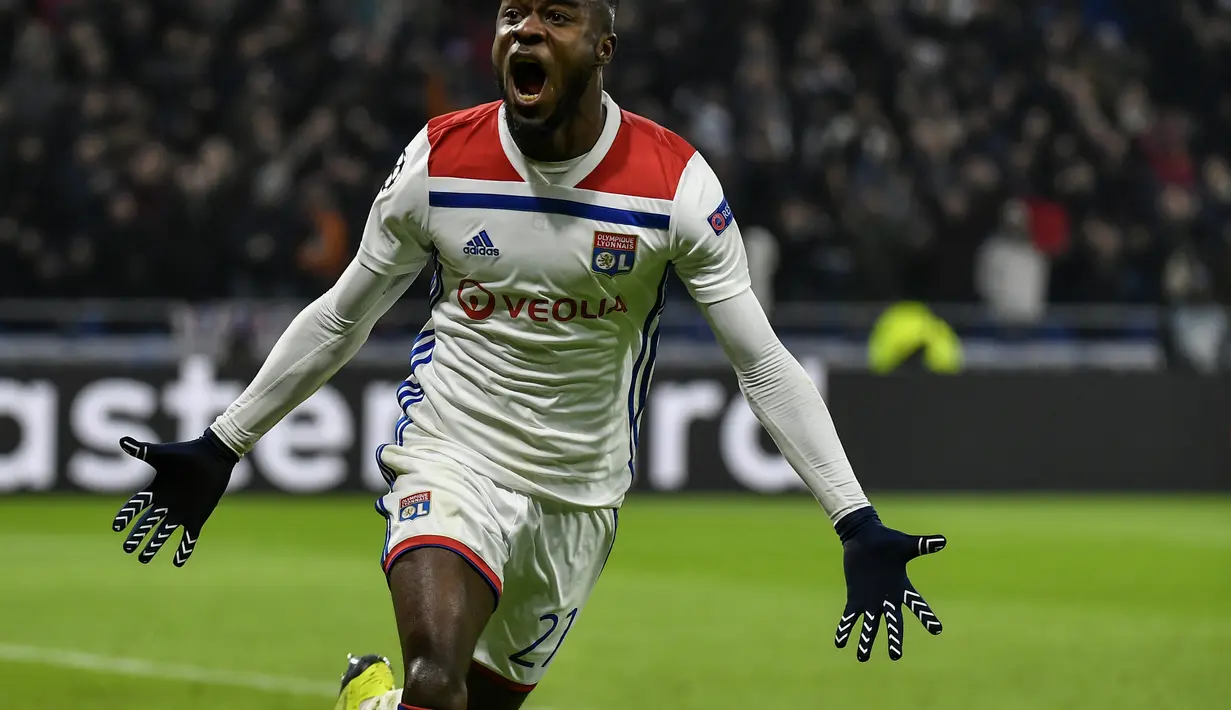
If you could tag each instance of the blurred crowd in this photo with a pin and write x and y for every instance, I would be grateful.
(1014, 152)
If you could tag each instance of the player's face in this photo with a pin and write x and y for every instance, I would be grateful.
(545, 55)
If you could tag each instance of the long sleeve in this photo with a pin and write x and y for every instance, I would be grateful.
(328, 333)
(709, 256)
(786, 402)
(321, 339)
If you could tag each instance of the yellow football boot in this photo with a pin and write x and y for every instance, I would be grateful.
(365, 678)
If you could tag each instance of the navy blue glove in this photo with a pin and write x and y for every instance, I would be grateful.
(874, 558)
(189, 480)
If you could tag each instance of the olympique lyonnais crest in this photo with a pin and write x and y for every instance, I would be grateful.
(415, 506)
(614, 254)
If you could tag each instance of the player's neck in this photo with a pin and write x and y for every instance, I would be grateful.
(574, 137)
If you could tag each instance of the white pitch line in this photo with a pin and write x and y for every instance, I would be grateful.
(139, 668)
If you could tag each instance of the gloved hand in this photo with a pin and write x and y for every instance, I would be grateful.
(189, 480)
(874, 558)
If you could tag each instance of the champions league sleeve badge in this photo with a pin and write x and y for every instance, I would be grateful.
(397, 173)
(614, 254)
(721, 218)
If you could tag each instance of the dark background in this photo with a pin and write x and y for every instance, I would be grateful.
(205, 149)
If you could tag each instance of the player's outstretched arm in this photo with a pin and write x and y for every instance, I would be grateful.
(321, 339)
(788, 405)
(327, 334)
(190, 477)
(709, 257)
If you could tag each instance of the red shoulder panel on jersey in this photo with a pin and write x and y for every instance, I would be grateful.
(466, 144)
(646, 160)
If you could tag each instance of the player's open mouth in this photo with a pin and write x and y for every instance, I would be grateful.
(529, 80)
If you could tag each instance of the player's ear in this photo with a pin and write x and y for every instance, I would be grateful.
(605, 50)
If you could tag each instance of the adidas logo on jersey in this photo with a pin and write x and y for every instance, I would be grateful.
(481, 245)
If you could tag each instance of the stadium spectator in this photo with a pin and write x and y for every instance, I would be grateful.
(1010, 270)
(213, 148)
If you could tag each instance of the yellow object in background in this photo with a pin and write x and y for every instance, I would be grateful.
(910, 328)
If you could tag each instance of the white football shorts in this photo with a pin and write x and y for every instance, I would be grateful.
(542, 559)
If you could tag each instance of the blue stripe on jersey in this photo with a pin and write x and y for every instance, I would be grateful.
(424, 342)
(408, 396)
(380, 508)
(615, 530)
(487, 241)
(420, 355)
(410, 391)
(648, 374)
(423, 360)
(639, 386)
(385, 472)
(435, 290)
(401, 430)
(548, 205)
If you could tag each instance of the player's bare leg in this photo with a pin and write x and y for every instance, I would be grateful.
(441, 605)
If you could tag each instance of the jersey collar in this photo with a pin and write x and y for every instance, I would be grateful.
(585, 166)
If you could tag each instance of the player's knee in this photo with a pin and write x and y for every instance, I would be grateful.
(431, 684)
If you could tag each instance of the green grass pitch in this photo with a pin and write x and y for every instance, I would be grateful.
(1049, 603)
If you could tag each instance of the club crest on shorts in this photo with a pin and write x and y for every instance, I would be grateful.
(614, 254)
(415, 506)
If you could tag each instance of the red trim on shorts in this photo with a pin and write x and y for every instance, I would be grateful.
(499, 679)
(404, 706)
(448, 543)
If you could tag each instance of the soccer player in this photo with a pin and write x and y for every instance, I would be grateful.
(551, 220)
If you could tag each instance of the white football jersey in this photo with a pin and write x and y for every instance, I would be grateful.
(549, 283)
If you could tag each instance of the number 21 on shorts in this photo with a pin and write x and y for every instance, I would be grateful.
(520, 657)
